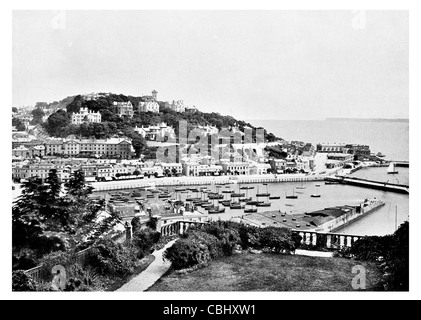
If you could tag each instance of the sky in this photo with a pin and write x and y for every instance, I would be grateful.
(249, 64)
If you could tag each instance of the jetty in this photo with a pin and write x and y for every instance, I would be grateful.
(372, 184)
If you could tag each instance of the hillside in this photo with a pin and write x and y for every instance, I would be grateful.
(59, 123)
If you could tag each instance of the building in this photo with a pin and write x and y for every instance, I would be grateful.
(124, 108)
(278, 165)
(236, 168)
(177, 106)
(85, 115)
(156, 133)
(343, 157)
(172, 168)
(148, 106)
(195, 169)
(357, 149)
(260, 168)
(114, 147)
(330, 147)
(53, 147)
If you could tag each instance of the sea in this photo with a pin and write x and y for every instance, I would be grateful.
(388, 137)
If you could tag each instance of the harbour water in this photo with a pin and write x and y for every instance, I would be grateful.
(390, 138)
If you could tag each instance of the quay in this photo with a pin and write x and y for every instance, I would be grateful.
(372, 184)
(205, 180)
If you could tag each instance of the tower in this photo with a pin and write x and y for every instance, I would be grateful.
(154, 94)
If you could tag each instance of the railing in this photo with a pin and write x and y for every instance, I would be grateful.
(313, 239)
(327, 240)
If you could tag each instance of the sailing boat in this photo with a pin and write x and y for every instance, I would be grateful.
(263, 194)
(391, 169)
(315, 195)
(293, 196)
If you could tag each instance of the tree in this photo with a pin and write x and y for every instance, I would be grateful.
(57, 123)
(14, 109)
(37, 115)
(18, 123)
(74, 218)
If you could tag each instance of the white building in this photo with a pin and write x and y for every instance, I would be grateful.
(178, 106)
(148, 106)
(85, 115)
(124, 108)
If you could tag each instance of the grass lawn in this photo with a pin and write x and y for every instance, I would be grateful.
(271, 272)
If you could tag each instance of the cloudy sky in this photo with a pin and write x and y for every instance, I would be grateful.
(250, 64)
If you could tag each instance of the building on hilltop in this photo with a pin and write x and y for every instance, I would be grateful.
(177, 106)
(124, 108)
(148, 106)
(85, 115)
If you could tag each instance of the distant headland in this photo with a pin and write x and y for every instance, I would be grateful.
(368, 119)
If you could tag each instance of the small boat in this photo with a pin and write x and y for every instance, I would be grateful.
(263, 194)
(381, 155)
(164, 195)
(179, 189)
(315, 195)
(317, 185)
(250, 210)
(238, 195)
(215, 196)
(227, 191)
(293, 196)
(274, 197)
(225, 202)
(263, 204)
(251, 203)
(236, 205)
(245, 199)
(150, 196)
(247, 188)
(216, 210)
(391, 169)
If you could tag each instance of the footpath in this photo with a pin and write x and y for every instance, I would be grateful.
(151, 274)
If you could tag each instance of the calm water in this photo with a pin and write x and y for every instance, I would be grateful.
(390, 138)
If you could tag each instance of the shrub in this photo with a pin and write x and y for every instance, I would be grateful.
(22, 282)
(213, 243)
(249, 237)
(392, 251)
(371, 248)
(227, 233)
(24, 259)
(111, 258)
(186, 253)
(277, 239)
(143, 240)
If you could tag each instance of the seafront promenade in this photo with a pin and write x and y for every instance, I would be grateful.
(205, 180)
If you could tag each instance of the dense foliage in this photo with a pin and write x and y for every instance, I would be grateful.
(217, 239)
(58, 124)
(44, 219)
(391, 251)
(18, 123)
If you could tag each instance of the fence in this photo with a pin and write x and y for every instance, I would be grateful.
(317, 240)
